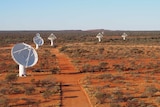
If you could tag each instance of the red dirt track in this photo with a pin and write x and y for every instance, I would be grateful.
(72, 93)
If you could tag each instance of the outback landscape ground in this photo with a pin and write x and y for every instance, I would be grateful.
(81, 72)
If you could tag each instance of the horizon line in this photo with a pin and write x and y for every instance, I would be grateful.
(79, 30)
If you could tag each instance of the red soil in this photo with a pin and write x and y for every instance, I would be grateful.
(73, 95)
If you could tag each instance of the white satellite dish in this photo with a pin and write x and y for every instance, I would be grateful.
(37, 34)
(38, 40)
(52, 37)
(25, 56)
(102, 33)
(99, 36)
(124, 35)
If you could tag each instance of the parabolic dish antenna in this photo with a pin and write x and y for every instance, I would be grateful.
(102, 33)
(124, 35)
(38, 40)
(52, 37)
(25, 56)
(37, 34)
(99, 36)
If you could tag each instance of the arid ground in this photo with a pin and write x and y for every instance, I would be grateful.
(114, 73)
(71, 92)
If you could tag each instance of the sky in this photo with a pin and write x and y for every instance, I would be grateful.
(79, 14)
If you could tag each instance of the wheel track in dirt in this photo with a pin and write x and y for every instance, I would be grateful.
(72, 93)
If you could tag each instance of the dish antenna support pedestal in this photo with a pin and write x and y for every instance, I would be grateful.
(52, 42)
(99, 39)
(37, 46)
(22, 70)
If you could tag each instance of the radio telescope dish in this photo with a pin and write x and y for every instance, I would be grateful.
(25, 56)
(37, 34)
(99, 36)
(52, 37)
(124, 35)
(38, 40)
(102, 33)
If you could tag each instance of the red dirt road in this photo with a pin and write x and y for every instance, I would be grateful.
(72, 93)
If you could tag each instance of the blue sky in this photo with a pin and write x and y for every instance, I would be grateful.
(79, 14)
